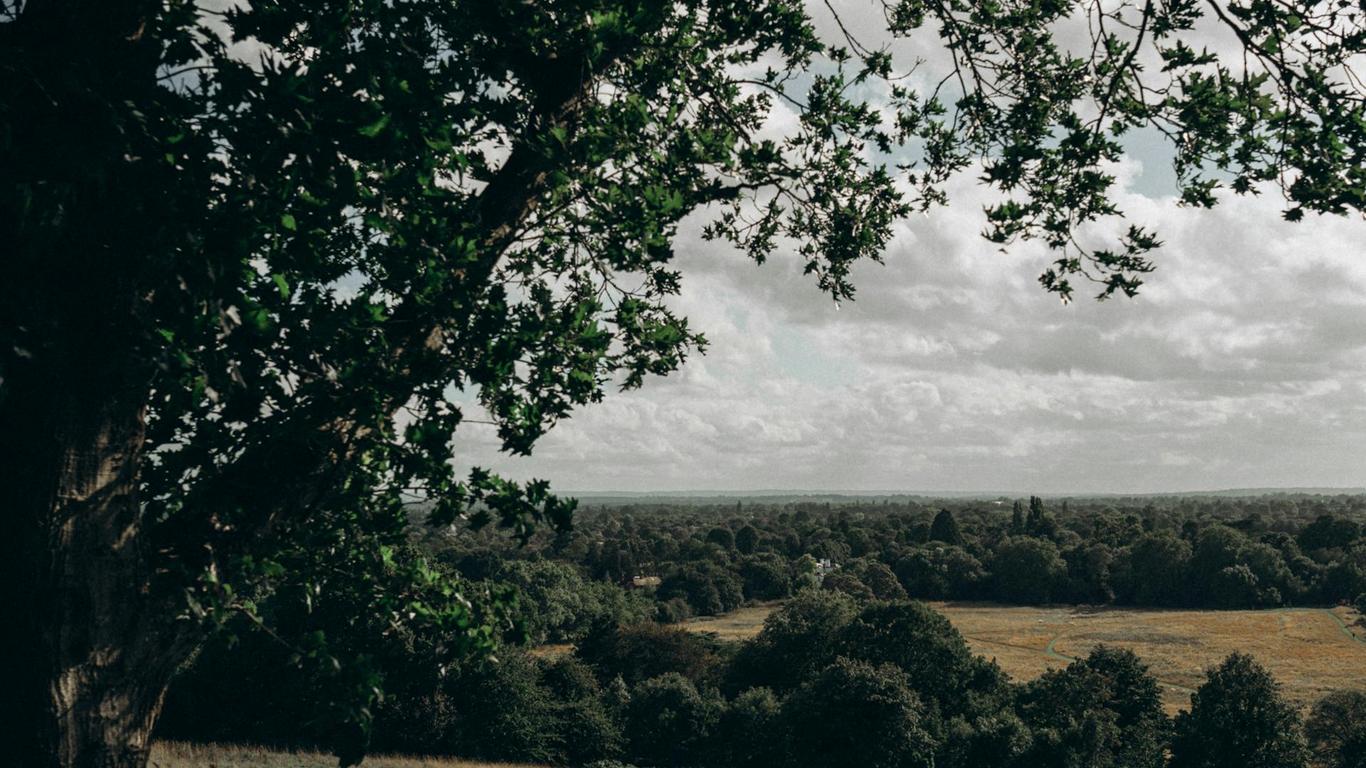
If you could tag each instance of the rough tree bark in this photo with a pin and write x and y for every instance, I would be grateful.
(100, 651)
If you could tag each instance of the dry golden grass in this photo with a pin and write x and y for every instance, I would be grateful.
(1311, 651)
(172, 754)
(552, 650)
(740, 624)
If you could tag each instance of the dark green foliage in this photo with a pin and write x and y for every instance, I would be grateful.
(1345, 577)
(857, 715)
(1328, 532)
(751, 733)
(1039, 522)
(586, 730)
(937, 573)
(747, 539)
(945, 529)
(585, 724)
(1089, 569)
(766, 576)
(848, 583)
(1216, 548)
(669, 722)
(721, 537)
(709, 588)
(797, 641)
(925, 645)
(646, 650)
(1154, 571)
(1336, 730)
(1238, 719)
(504, 713)
(879, 579)
(1104, 711)
(555, 604)
(1028, 570)
(673, 611)
(1233, 586)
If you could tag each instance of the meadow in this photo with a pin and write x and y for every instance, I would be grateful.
(1311, 651)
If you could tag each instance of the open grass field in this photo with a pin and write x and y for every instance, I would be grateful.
(180, 755)
(1311, 651)
(740, 624)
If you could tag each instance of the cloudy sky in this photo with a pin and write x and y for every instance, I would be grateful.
(1240, 365)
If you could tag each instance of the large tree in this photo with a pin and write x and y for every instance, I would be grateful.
(1238, 719)
(260, 257)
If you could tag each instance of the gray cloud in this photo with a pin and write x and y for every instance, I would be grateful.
(1240, 364)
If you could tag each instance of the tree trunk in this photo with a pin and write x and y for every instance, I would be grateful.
(97, 647)
(99, 650)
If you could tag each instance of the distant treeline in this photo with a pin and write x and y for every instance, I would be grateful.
(1195, 552)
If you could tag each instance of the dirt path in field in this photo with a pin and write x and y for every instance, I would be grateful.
(1342, 625)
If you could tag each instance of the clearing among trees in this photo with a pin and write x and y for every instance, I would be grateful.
(1311, 651)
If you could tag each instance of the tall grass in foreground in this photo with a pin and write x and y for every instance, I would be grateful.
(175, 754)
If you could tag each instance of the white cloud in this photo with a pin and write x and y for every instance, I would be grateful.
(1239, 365)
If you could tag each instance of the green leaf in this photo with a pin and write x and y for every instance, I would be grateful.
(374, 129)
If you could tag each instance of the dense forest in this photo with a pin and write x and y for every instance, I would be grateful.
(852, 670)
